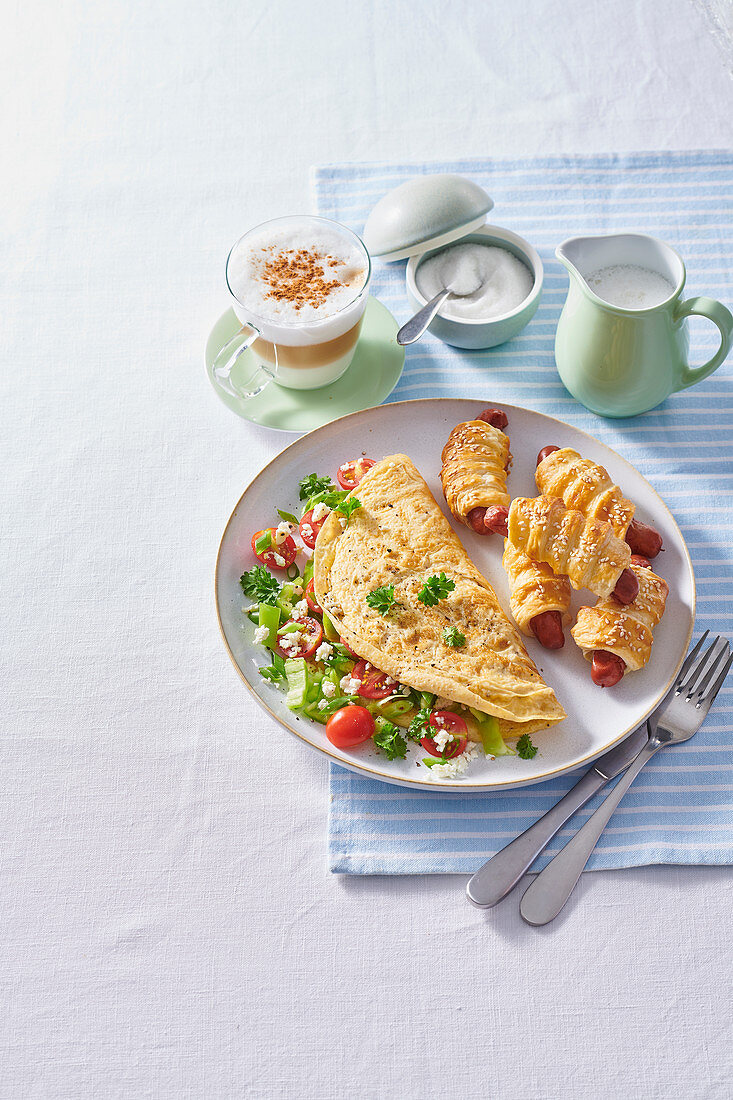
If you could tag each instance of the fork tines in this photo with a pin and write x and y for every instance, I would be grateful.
(696, 674)
(719, 682)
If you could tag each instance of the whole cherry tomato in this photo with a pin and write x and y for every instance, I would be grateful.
(349, 726)
(350, 473)
(274, 556)
(300, 643)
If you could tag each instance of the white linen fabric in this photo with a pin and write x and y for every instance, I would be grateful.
(169, 928)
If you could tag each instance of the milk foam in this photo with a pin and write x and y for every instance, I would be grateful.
(340, 258)
(630, 286)
(504, 280)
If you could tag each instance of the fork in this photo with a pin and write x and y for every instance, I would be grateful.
(677, 720)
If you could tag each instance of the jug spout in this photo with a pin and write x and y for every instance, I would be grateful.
(584, 255)
(569, 253)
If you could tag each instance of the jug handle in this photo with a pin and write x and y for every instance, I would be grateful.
(720, 316)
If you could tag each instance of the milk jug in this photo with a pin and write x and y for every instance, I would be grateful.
(623, 359)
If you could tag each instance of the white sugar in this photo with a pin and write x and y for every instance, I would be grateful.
(503, 280)
(630, 286)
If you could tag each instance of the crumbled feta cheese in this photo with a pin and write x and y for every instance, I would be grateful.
(279, 560)
(282, 532)
(349, 684)
(297, 590)
(322, 704)
(320, 511)
(453, 769)
(328, 688)
(441, 737)
(324, 651)
(261, 635)
(405, 689)
(300, 610)
(388, 680)
(290, 643)
(306, 530)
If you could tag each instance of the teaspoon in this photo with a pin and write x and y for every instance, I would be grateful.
(413, 329)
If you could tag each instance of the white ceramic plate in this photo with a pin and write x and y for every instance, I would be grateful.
(597, 718)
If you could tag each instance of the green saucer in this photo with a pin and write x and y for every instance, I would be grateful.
(374, 372)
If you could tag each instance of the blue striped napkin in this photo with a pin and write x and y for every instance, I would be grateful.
(680, 808)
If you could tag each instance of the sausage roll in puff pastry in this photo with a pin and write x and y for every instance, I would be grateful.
(475, 463)
(587, 487)
(610, 628)
(585, 549)
(540, 601)
(584, 486)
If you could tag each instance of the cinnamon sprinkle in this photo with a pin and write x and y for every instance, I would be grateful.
(298, 276)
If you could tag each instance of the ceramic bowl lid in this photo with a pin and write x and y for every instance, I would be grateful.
(424, 213)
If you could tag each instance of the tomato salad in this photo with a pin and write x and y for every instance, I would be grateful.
(327, 681)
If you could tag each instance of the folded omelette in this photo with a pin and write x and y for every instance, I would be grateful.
(399, 536)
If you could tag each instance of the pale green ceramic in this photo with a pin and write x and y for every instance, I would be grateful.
(374, 372)
(474, 332)
(621, 362)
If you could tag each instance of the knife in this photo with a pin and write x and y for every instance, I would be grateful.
(500, 874)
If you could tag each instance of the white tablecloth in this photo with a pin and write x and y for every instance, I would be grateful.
(168, 927)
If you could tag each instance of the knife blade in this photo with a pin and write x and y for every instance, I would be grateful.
(500, 874)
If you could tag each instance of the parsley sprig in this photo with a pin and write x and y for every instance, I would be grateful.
(525, 749)
(418, 727)
(315, 489)
(312, 485)
(453, 637)
(388, 738)
(347, 507)
(260, 585)
(435, 589)
(382, 599)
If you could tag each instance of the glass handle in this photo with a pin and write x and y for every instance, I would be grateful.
(228, 356)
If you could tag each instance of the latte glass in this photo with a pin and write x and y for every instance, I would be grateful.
(298, 354)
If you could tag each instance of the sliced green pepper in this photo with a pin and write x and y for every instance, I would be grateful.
(332, 634)
(269, 616)
(297, 678)
(491, 738)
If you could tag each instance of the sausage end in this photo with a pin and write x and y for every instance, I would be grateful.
(547, 629)
(495, 519)
(606, 668)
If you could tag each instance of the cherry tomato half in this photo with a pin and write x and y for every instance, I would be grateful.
(350, 473)
(446, 720)
(286, 551)
(373, 682)
(310, 527)
(349, 726)
(308, 639)
(310, 596)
